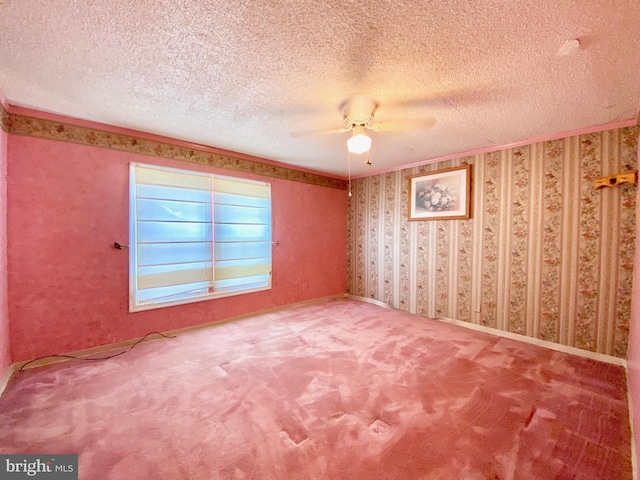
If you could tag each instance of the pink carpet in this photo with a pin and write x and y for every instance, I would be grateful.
(340, 390)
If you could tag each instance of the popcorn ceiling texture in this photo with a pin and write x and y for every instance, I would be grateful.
(244, 76)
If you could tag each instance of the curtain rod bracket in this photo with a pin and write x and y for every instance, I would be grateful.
(120, 246)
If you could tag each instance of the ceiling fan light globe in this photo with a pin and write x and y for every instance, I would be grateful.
(359, 143)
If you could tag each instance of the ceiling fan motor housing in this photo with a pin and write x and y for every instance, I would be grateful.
(351, 122)
(359, 110)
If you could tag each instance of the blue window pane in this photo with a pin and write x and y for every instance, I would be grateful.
(235, 214)
(176, 292)
(165, 253)
(177, 244)
(151, 209)
(172, 193)
(233, 250)
(173, 232)
(228, 232)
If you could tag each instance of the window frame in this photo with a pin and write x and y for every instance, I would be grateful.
(134, 304)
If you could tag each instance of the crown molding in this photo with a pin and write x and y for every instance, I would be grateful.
(630, 122)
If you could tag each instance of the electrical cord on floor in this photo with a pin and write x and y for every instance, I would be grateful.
(95, 359)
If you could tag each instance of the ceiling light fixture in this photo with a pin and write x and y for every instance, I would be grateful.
(359, 141)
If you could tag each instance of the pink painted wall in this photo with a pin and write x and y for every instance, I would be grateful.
(5, 352)
(633, 355)
(68, 286)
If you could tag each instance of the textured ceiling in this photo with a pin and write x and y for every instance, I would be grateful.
(255, 77)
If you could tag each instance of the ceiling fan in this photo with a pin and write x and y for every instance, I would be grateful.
(358, 115)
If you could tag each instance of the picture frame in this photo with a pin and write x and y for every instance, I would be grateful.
(441, 195)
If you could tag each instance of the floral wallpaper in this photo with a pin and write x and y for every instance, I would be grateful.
(37, 127)
(544, 254)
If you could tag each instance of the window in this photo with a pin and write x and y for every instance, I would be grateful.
(196, 236)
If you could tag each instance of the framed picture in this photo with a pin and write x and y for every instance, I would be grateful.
(441, 195)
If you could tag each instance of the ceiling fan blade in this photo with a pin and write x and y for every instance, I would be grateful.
(458, 98)
(405, 124)
(326, 131)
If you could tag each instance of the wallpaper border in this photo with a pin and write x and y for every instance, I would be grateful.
(18, 124)
(4, 118)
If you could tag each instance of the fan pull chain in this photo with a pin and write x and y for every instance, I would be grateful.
(349, 164)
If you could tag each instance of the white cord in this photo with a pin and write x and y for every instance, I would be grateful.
(349, 164)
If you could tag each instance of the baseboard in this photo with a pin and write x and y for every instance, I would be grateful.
(601, 357)
(102, 349)
(368, 300)
(516, 336)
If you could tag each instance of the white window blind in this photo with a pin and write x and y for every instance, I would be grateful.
(196, 236)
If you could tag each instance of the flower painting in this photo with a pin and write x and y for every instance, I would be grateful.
(441, 195)
(436, 195)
